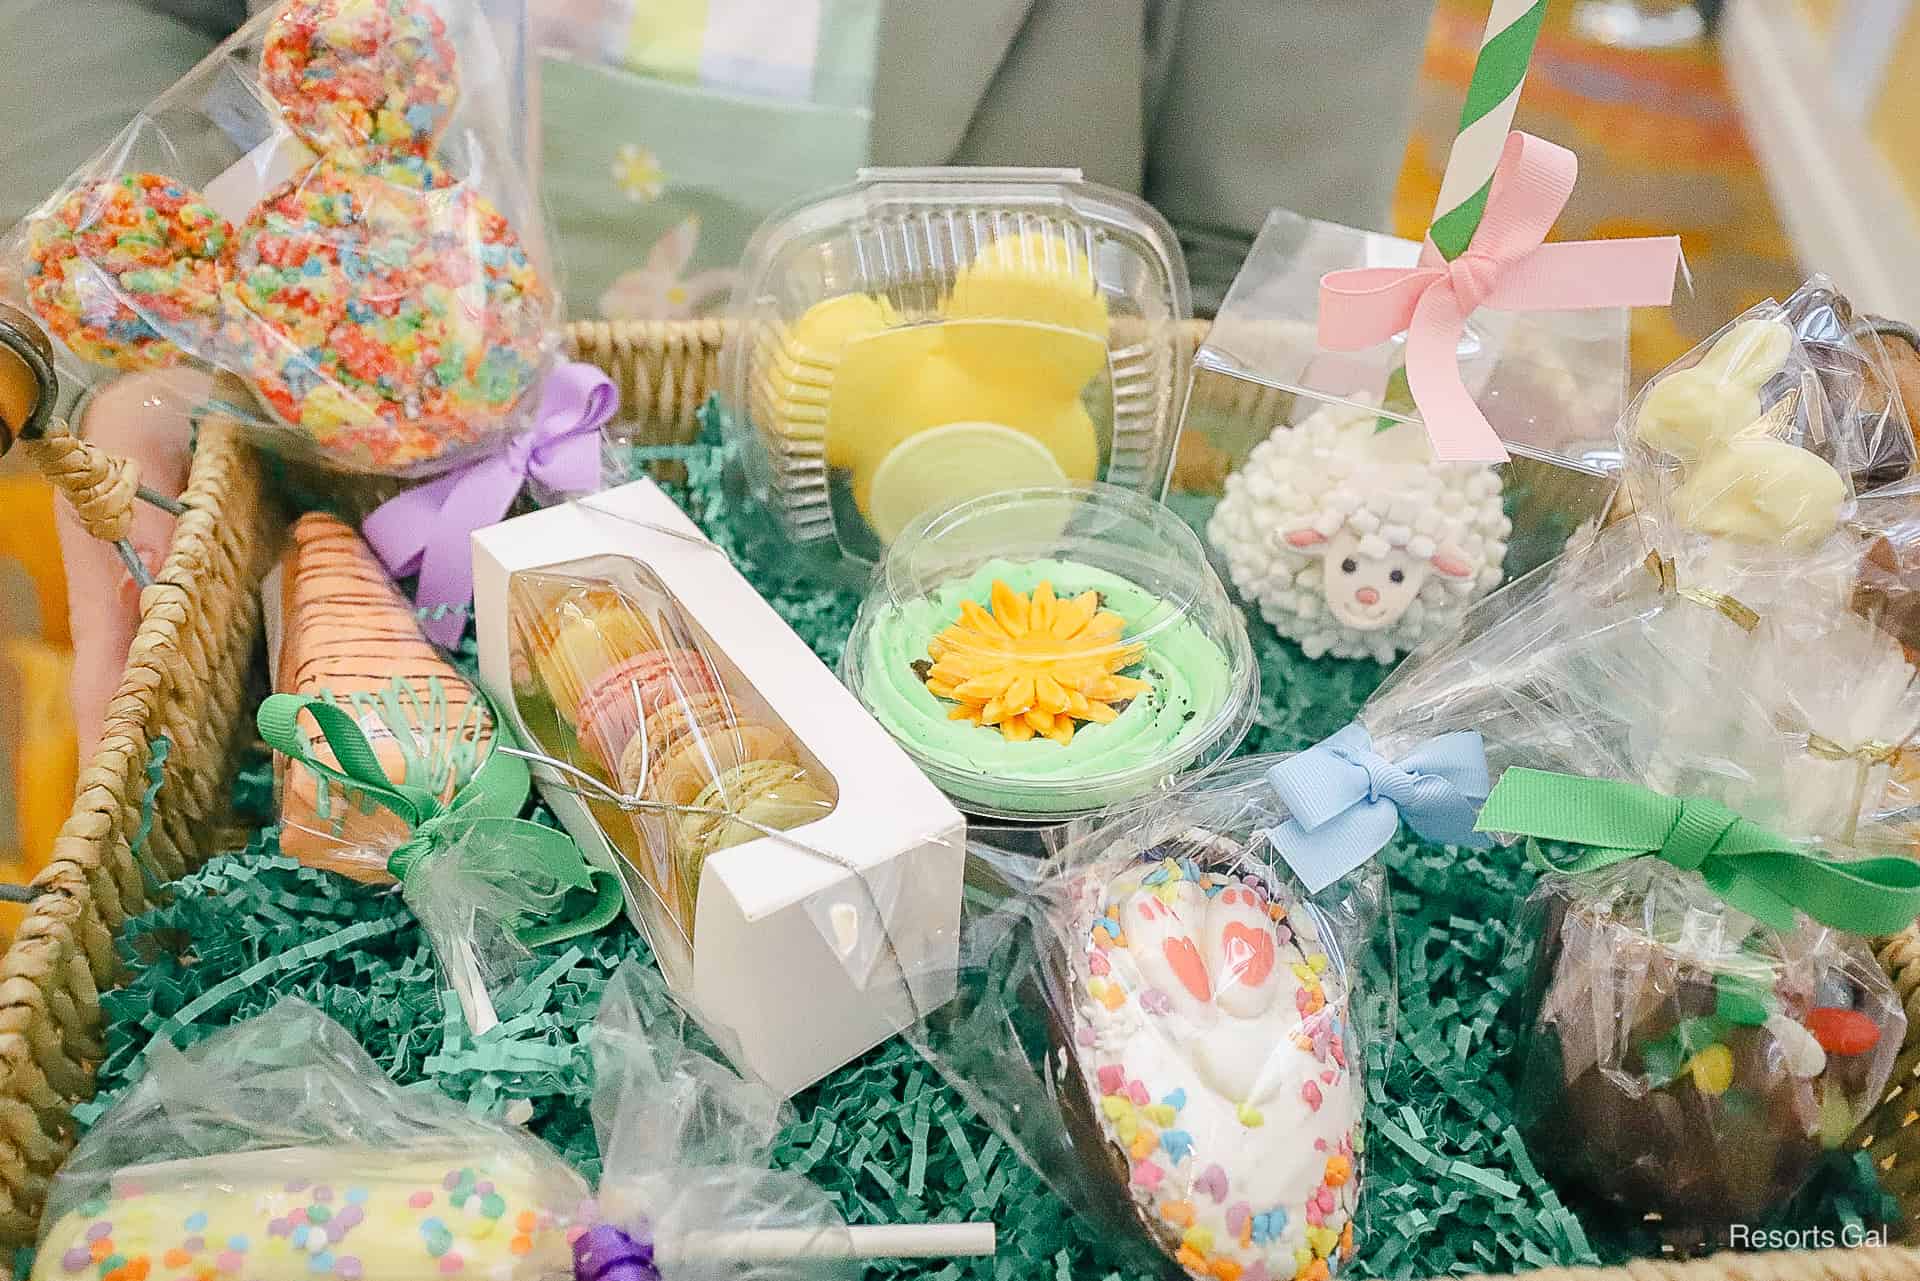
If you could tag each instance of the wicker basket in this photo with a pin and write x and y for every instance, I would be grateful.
(186, 679)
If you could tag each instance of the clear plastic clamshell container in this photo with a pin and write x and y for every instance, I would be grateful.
(615, 680)
(1310, 472)
(1043, 653)
(928, 335)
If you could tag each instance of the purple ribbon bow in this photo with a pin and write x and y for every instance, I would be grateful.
(607, 1253)
(426, 529)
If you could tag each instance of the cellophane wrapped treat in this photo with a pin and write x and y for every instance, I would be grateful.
(1686, 1060)
(333, 207)
(339, 631)
(1711, 734)
(1194, 1025)
(277, 1149)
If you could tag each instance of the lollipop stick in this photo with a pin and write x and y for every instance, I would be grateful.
(889, 1241)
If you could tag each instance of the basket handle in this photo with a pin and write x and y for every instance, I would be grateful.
(99, 486)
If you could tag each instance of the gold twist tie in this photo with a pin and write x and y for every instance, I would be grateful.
(1867, 755)
(1740, 615)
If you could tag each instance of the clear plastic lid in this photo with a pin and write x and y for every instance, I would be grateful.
(928, 335)
(1048, 651)
(616, 681)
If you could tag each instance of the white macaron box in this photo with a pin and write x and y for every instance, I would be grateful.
(801, 929)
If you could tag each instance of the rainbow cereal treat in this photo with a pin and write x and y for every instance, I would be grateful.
(1212, 1057)
(121, 264)
(386, 311)
(308, 1214)
(359, 73)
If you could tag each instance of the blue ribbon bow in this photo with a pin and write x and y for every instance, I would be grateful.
(1347, 800)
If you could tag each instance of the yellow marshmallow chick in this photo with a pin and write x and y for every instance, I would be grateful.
(1689, 413)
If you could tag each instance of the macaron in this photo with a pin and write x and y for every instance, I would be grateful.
(688, 745)
(775, 795)
(613, 706)
(588, 631)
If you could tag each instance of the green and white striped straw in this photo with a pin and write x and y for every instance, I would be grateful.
(1499, 73)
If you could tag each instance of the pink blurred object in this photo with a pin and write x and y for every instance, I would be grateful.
(146, 417)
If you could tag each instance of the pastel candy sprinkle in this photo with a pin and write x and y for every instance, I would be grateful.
(300, 1237)
(229, 1261)
(1098, 964)
(237, 1242)
(451, 1263)
(195, 1244)
(1322, 1240)
(1258, 1272)
(1213, 1181)
(420, 1200)
(1176, 1100)
(350, 1217)
(1143, 1143)
(99, 1231)
(1111, 1078)
(1250, 1116)
(318, 1214)
(1197, 1239)
(1154, 1001)
(278, 1227)
(1138, 1093)
(356, 1196)
(1177, 1143)
(1178, 1213)
(1310, 1091)
(321, 1262)
(197, 1221)
(1116, 1106)
(76, 1259)
(1239, 1218)
(1086, 1036)
(1161, 1114)
(347, 1266)
(323, 1193)
(1147, 1174)
(1114, 997)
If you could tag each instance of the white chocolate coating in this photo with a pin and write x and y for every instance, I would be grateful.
(1213, 1032)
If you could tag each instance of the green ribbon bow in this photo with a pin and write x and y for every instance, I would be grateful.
(493, 796)
(1752, 870)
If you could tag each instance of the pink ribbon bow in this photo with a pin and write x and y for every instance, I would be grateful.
(426, 530)
(1509, 266)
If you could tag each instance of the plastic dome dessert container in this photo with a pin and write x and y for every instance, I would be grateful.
(925, 336)
(1043, 653)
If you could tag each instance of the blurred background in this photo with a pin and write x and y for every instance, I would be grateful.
(1776, 137)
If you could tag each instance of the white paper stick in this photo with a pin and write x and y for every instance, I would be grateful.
(890, 1241)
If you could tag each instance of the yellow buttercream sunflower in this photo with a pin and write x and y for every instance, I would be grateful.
(1035, 665)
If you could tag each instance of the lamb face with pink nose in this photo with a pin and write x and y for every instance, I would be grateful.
(1371, 591)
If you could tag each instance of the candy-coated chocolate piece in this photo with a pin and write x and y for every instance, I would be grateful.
(1843, 1032)
(1802, 1054)
(1712, 1070)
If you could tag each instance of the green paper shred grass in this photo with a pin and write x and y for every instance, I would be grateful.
(1450, 1187)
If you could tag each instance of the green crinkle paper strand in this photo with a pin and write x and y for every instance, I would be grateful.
(1451, 1190)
